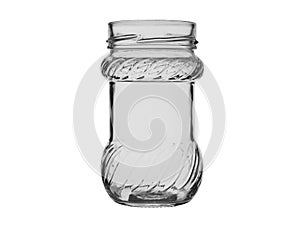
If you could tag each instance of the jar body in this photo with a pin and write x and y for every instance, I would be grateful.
(152, 158)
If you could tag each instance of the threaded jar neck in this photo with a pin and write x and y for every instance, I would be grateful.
(152, 34)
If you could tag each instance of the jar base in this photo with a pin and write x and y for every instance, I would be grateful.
(150, 205)
(136, 201)
(170, 198)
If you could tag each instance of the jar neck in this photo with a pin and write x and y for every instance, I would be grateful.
(158, 34)
(152, 52)
(137, 42)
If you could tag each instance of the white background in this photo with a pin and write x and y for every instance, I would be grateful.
(253, 49)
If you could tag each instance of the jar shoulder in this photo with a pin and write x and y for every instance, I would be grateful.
(155, 65)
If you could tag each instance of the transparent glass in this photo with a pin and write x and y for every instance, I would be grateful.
(152, 159)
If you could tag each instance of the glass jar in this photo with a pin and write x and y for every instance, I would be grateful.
(152, 158)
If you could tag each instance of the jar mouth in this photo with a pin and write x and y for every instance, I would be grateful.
(152, 34)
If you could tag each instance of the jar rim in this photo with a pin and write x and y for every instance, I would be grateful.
(152, 33)
(153, 21)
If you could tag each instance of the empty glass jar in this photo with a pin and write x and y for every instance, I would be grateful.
(152, 158)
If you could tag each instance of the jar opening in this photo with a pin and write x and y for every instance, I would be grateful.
(152, 34)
